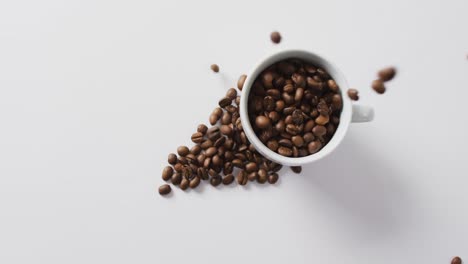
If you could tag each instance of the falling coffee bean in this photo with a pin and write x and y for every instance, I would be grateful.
(275, 37)
(164, 189)
(378, 86)
(214, 67)
(353, 94)
(387, 74)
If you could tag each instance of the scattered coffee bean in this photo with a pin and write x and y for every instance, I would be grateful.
(242, 177)
(172, 159)
(231, 93)
(387, 74)
(353, 94)
(176, 178)
(228, 179)
(241, 81)
(378, 86)
(262, 178)
(296, 169)
(194, 182)
(183, 151)
(215, 181)
(197, 137)
(275, 37)
(225, 101)
(164, 189)
(184, 184)
(167, 173)
(273, 178)
(214, 67)
(456, 260)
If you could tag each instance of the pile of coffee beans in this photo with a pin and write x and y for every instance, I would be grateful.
(384, 75)
(221, 154)
(294, 107)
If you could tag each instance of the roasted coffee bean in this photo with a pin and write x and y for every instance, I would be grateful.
(231, 93)
(292, 129)
(197, 137)
(191, 159)
(242, 177)
(275, 167)
(273, 144)
(322, 120)
(332, 85)
(313, 84)
(262, 178)
(240, 156)
(215, 181)
(308, 126)
(237, 101)
(195, 150)
(201, 158)
(228, 179)
(206, 144)
(308, 137)
(285, 143)
(202, 173)
(280, 126)
(211, 151)
(225, 101)
(241, 81)
(176, 178)
(226, 130)
(202, 128)
(288, 99)
(194, 182)
(319, 130)
(267, 79)
(164, 189)
(213, 133)
(298, 141)
(269, 103)
(182, 151)
(252, 176)
(184, 184)
(226, 118)
(275, 37)
(262, 122)
(273, 178)
(296, 169)
(178, 167)
(387, 74)
(337, 102)
(274, 116)
(285, 151)
(353, 94)
(172, 158)
(378, 86)
(167, 173)
(331, 129)
(279, 106)
(297, 117)
(214, 67)
(216, 161)
(314, 146)
(279, 82)
(237, 163)
(183, 160)
(456, 260)
(251, 167)
(229, 144)
(299, 94)
(289, 110)
(187, 172)
(228, 168)
(288, 88)
(288, 120)
(219, 142)
(213, 119)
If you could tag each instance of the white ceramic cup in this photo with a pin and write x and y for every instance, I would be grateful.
(349, 113)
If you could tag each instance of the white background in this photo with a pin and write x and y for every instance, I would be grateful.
(95, 94)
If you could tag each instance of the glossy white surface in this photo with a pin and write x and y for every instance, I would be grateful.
(95, 94)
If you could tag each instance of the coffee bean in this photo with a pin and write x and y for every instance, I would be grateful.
(299, 94)
(319, 130)
(456, 260)
(285, 151)
(314, 146)
(285, 143)
(275, 37)
(187, 172)
(269, 103)
(353, 94)
(297, 117)
(214, 67)
(210, 151)
(241, 81)
(274, 116)
(167, 173)
(332, 85)
(242, 177)
(194, 182)
(262, 122)
(288, 99)
(226, 130)
(322, 120)
(296, 169)
(279, 106)
(164, 189)
(183, 160)
(228, 179)
(213, 133)
(272, 144)
(184, 184)
(225, 101)
(178, 167)
(217, 161)
(226, 118)
(176, 178)
(207, 163)
(273, 178)
(206, 144)
(378, 86)
(237, 163)
(251, 167)
(337, 102)
(387, 74)
(292, 129)
(197, 137)
(202, 128)
(308, 137)
(215, 181)
(196, 149)
(262, 178)
(182, 151)
(288, 88)
(172, 158)
(213, 119)
(202, 173)
(231, 93)
(298, 141)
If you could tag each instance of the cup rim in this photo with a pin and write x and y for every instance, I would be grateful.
(346, 111)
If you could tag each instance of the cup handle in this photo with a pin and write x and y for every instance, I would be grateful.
(362, 113)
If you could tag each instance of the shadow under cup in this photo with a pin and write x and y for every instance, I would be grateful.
(345, 117)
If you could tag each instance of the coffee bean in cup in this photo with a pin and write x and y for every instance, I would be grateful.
(293, 99)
